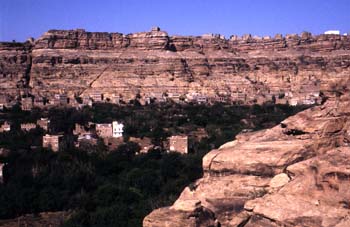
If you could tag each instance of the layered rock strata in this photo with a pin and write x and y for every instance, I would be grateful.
(294, 174)
(15, 66)
(79, 63)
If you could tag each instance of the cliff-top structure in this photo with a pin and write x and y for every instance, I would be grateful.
(76, 63)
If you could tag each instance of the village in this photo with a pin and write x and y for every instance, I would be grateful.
(28, 102)
(138, 147)
(111, 134)
(248, 91)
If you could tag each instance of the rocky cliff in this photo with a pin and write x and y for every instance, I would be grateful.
(246, 69)
(294, 174)
(15, 66)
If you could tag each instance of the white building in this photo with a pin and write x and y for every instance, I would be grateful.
(293, 101)
(332, 32)
(1, 168)
(117, 129)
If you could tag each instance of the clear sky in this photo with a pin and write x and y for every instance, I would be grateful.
(20, 19)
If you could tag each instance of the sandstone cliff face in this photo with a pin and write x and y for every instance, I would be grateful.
(79, 63)
(15, 63)
(295, 174)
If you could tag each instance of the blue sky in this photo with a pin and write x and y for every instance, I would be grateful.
(20, 19)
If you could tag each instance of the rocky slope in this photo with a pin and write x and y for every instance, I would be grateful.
(48, 219)
(294, 174)
(246, 69)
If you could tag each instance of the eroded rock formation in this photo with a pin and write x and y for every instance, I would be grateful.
(292, 68)
(294, 174)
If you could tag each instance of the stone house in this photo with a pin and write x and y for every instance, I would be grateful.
(238, 96)
(293, 101)
(115, 130)
(5, 127)
(159, 96)
(28, 126)
(104, 130)
(61, 99)
(43, 123)
(86, 134)
(201, 99)
(155, 29)
(39, 101)
(54, 142)
(4, 101)
(178, 144)
(87, 100)
(281, 101)
(217, 98)
(27, 103)
(174, 96)
(116, 99)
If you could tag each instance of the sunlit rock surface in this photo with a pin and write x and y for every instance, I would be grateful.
(295, 174)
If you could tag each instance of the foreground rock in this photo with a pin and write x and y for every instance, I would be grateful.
(295, 174)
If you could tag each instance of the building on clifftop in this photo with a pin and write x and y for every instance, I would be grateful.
(332, 32)
(155, 29)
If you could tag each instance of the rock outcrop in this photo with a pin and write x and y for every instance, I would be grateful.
(294, 69)
(294, 174)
